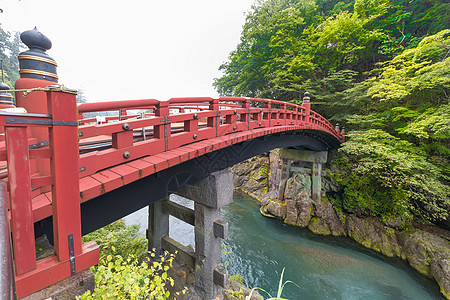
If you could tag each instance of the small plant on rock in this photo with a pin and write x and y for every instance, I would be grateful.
(281, 285)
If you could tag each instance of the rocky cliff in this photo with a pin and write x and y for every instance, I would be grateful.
(288, 198)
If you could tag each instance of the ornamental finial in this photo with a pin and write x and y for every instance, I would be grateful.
(306, 97)
(35, 63)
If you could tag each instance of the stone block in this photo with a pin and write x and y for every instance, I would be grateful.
(221, 229)
(304, 155)
(158, 226)
(179, 211)
(185, 254)
(215, 191)
(220, 277)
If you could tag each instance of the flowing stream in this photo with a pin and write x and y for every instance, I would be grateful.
(258, 249)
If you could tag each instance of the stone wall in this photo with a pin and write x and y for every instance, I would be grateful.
(290, 200)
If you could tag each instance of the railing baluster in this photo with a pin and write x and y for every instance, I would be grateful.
(20, 195)
(64, 165)
(6, 267)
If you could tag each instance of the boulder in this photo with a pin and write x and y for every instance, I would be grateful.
(236, 290)
(428, 254)
(372, 234)
(298, 213)
(298, 187)
(398, 222)
(324, 211)
(319, 226)
(277, 209)
(251, 176)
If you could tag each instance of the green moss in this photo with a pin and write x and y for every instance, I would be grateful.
(317, 226)
(230, 294)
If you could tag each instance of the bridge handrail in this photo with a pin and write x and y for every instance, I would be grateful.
(114, 105)
(165, 129)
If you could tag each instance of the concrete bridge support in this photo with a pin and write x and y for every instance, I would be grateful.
(318, 158)
(209, 196)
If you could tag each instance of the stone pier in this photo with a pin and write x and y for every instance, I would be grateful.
(209, 196)
(317, 158)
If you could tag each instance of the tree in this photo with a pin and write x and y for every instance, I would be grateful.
(381, 67)
(9, 51)
(81, 97)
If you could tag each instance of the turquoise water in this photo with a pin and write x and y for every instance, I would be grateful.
(258, 248)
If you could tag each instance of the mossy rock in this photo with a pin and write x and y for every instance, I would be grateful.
(373, 235)
(319, 226)
(429, 255)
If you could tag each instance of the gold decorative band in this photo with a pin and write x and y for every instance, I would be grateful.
(5, 95)
(28, 71)
(6, 102)
(32, 57)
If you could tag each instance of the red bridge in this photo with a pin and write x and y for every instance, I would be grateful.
(65, 174)
(59, 160)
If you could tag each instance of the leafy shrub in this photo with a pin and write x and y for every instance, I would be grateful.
(117, 278)
(383, 174)
(238, 278)
(125, 270)
(126, 240)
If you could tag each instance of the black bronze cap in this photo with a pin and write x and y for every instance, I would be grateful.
(306, 97)
(35, 63)
(5, 98)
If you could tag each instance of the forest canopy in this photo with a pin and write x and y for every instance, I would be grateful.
(381, 68)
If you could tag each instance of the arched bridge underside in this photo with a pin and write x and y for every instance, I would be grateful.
(127, 199)
(210, 156)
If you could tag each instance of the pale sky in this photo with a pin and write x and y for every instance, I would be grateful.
(120, 50)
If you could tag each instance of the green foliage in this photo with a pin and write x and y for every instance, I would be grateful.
(126, 240)
(125, 270)
(385, 174)
(238, 278)
(418, 75)
(118, 278)
(229, 294)
(380, 67)
(289, 46)
(9, 51)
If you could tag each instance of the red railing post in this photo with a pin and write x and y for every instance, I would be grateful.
(283, 113)
(191, 125)
(214, 121)
(295, 115)
(267, 115)
(64, 164)
(245, 117)
(163, 130)
(20, 196)
(307, 107)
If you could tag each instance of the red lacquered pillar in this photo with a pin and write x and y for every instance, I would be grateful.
(37, 69)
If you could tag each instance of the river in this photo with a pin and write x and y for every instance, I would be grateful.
(258, 248)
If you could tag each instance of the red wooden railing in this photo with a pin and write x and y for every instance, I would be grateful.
(71, 256)
(168, 130)
(49, 178)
